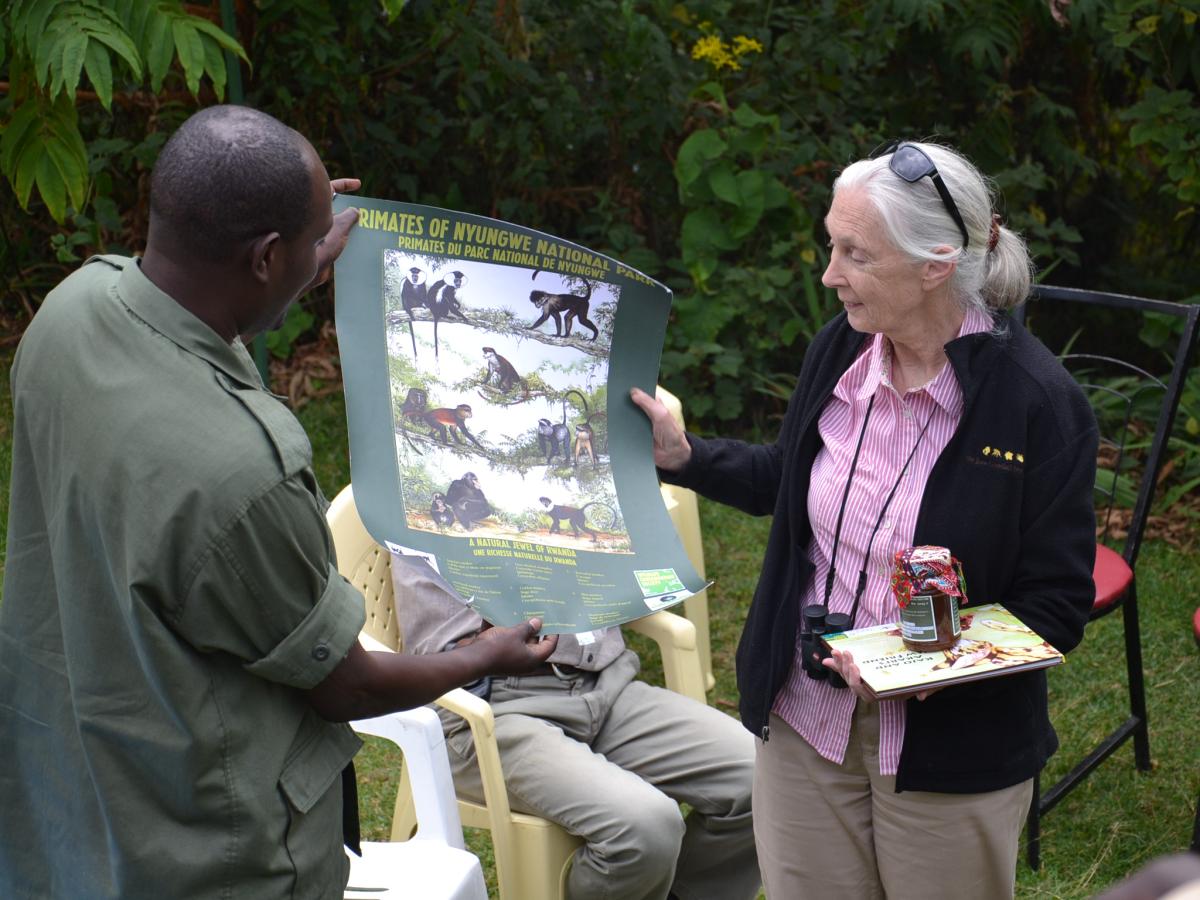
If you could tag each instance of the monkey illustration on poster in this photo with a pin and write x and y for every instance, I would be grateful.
(501, 442)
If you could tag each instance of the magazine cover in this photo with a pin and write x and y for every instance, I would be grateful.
(487, 371)
(993, 642)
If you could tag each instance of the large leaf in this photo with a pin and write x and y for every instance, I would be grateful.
(99, 72)
(52, 186)
(113, 35)
(160, 50)
(74, 48)
(19, 130)
(190, 50)
(210, 31)
(700, 147)
(214, 64)
(42, 146)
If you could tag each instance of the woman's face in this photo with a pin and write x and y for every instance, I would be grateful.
(881, 288)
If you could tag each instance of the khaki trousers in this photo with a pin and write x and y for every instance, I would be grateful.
(830, 831)
(610, 758)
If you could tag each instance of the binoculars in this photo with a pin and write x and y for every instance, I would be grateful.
(817, 620)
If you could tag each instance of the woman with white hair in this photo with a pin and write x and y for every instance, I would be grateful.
(922, 415)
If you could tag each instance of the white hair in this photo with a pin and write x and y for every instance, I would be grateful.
(916, 221)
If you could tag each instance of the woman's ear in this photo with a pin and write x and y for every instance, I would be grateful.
(935, 273)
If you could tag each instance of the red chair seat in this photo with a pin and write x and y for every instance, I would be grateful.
(1112, 576)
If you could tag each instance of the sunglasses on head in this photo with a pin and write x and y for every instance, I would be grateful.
(912, 164)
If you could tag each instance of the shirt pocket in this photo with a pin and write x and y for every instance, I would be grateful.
(311, 786)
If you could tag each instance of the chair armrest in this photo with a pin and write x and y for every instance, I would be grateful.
(676, 638)
(418, 732)
(478, 714)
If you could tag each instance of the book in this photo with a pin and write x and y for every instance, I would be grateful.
(994, 642)
(487, 370)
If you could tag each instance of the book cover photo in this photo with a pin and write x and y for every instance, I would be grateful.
(993, 642)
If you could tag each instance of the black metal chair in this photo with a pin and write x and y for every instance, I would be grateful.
(1125, 397)
(1196, 825)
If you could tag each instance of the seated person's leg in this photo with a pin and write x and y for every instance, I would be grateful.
(700, 756)
(633, 832)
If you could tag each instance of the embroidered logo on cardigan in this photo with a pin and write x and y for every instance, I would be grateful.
(998, 458)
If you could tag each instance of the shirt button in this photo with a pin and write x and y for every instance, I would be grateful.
(320, 652)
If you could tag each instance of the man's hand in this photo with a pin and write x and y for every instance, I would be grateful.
(515, 650)
(335, 239)
(671, 449)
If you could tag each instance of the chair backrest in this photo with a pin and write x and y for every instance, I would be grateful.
(418, 732)
(1128, 401)
(365, 565)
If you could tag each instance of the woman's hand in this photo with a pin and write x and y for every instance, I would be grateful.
(842, 662)
(671, 448)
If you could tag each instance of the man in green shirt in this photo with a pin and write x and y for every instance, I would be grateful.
(177, 649)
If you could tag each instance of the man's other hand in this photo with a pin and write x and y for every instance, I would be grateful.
(335, 239)
(516, 650)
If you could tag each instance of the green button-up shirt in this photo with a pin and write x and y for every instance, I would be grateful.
(170, 594)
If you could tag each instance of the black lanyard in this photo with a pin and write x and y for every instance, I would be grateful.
(837, 534)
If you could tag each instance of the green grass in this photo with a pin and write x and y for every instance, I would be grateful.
(1113, 824)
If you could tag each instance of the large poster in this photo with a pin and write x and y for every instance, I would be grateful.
(487, 371)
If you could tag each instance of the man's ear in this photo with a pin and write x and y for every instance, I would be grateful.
(262, 256)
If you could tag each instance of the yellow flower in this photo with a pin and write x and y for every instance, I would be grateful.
(715, 52)
(1020, 457)
(987, 451)
(1008, 455)
(743, 45)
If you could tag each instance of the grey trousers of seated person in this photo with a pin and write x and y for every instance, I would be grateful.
(609, 758)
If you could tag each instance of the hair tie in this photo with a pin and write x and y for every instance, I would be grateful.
(994, 234)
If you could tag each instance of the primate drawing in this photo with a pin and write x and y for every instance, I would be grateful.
(413, 296)
(570, 306)
(467, 501)
(442, 300)
(441, 514)
(554, 439)
(583, 443)
(573, 515)
(501, 374)
(414, 405)
(443, 420)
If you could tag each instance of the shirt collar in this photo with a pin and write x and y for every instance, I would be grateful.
(166, 316)
(943, 388)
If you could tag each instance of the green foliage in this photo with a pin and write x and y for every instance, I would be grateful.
(696, 142)
(53, 44)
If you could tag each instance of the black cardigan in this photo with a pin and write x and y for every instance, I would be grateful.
(1024, 530)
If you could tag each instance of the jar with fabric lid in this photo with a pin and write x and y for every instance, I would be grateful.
(929, 588)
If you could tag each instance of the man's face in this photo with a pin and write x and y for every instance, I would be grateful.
(293, 263)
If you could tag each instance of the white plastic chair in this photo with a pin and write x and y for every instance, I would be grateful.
(434, 864)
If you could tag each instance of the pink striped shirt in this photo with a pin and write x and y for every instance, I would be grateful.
(819, 713)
